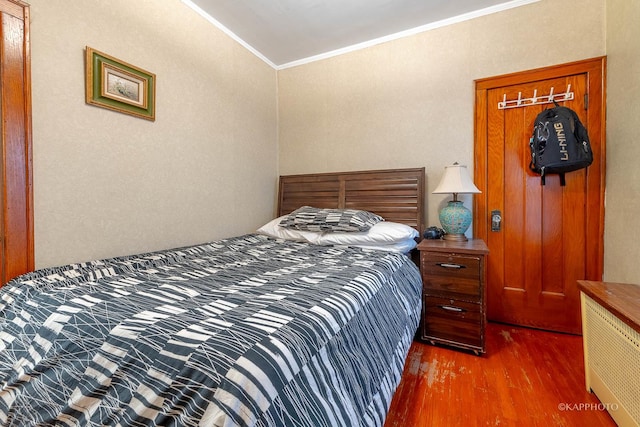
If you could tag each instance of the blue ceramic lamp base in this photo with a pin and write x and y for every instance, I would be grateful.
(455, 220)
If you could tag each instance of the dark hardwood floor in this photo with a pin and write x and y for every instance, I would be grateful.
(527, 378)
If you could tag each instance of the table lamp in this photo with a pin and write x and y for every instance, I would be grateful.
(455, 218)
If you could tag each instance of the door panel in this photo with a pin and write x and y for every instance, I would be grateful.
(551, 235)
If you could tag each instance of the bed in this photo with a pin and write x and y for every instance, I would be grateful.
(253, 330)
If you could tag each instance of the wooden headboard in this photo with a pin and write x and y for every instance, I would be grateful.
(395, 194)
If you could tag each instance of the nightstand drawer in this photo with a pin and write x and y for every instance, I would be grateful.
(451, 273)
(459, 266)
(451, 320)
(452, 309)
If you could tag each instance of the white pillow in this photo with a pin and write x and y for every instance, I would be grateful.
(403, 246)
(273, 229)
(381, 234)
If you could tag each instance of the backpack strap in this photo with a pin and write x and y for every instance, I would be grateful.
(563, 182)
(561, 175)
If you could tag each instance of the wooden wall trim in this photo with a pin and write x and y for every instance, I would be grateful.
(16, 208)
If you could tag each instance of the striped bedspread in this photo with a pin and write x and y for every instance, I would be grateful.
(247, 331)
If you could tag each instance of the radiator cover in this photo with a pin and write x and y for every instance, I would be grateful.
(612, 362)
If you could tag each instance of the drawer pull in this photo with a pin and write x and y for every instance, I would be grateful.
(452, 308)
(447, 265)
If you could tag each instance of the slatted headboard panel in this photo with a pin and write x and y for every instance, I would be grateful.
(395, 194)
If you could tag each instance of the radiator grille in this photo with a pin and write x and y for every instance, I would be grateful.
(614, 355)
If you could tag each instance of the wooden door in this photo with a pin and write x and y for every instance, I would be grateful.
(550, 236)
(16, 199)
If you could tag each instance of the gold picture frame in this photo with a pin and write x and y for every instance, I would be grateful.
(119, 86)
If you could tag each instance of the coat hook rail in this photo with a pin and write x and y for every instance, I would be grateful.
(535, 99)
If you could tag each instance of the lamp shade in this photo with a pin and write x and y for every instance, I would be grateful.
(456, 179)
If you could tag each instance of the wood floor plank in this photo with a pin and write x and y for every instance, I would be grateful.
(527, 378)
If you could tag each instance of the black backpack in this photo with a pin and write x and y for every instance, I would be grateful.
(559, 143)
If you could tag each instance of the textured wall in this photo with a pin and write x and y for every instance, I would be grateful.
(108, 184)
(622, 229)
(410, 102)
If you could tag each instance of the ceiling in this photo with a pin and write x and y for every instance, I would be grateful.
(288, 32)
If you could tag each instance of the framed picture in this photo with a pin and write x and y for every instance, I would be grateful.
(116, 85)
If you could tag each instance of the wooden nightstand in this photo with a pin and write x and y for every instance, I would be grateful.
(453, 293)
